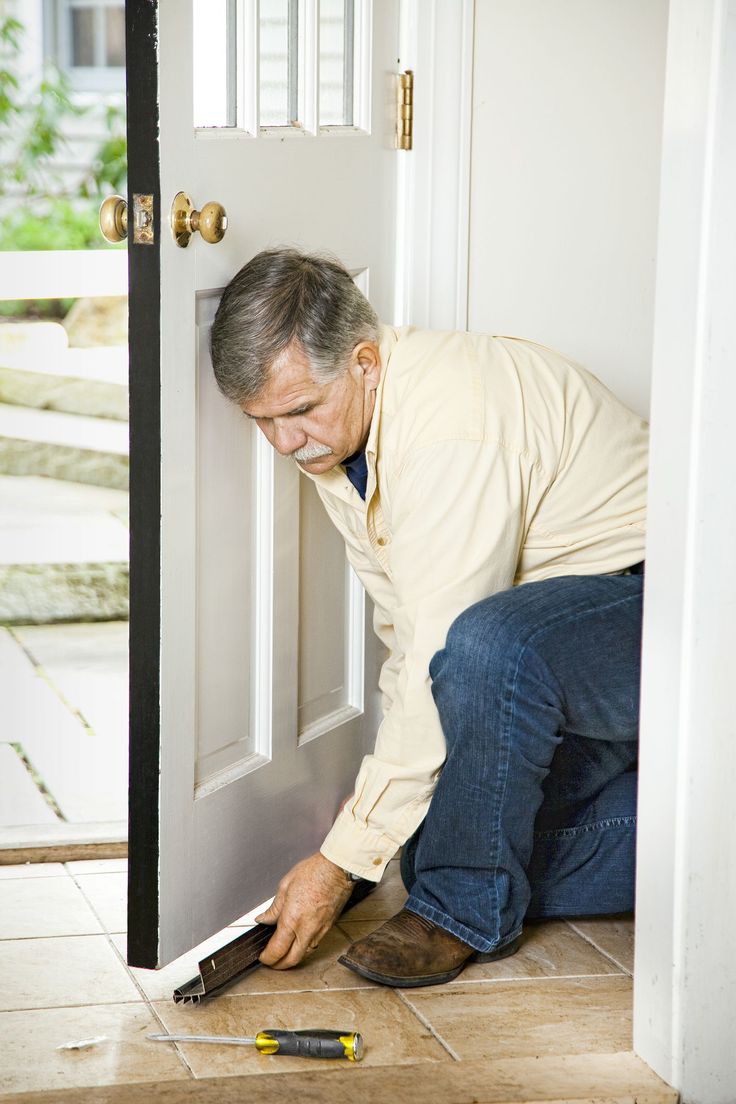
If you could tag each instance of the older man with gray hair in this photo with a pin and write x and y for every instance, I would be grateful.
(491, 495)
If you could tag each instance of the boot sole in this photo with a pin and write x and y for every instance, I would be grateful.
(430, 979)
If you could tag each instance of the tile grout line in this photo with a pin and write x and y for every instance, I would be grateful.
(43, 674)
(537, 979)
(423, 1020)
(62, 1007)
(143, 997)
(90, 905)
(600, 950)
(177, 1047)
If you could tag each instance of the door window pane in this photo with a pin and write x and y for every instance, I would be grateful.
(115, 36)
(83, 36)
(336, 29)
(86, 38)
(278, 55)
(215, 63)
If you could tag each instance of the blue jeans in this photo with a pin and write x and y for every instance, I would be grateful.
(534, 814)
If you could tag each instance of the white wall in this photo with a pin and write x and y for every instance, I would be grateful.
(566, 142)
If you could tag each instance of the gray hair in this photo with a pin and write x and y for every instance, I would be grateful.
(279, 297)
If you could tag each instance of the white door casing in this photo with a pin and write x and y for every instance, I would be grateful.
(268, 664)
(685, 973)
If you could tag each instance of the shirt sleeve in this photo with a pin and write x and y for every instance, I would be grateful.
(457, 518)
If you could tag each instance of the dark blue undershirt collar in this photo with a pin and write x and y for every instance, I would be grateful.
(356, 468)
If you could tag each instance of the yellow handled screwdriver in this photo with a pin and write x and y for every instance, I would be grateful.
(316, 1043)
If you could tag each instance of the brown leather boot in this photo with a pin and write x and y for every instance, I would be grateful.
(408, 951)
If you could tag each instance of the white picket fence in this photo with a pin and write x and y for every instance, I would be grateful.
(63, 273)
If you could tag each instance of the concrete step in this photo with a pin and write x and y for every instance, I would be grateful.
(63, 446)
(64, 551)
(38, 369)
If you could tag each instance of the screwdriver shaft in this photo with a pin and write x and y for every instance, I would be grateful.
(230, 1040)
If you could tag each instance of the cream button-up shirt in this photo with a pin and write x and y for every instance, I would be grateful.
(492, 462)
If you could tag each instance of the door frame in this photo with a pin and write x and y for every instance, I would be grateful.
(685, 977)
(433, 231)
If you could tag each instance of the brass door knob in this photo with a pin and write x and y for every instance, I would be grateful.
(114, 219)
(211, 221)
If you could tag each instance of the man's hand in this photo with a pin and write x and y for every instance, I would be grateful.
(308, 901)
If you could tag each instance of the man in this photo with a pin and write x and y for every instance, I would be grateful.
(491, 496)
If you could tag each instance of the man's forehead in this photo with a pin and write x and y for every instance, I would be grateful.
(290, 385)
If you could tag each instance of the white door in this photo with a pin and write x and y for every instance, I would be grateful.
(251, 652)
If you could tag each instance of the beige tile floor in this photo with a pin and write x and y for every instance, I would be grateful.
(551, 1023)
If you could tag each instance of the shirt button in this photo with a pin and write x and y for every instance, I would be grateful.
(377, 862)
(382, 541)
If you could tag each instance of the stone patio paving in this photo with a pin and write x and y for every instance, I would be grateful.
(64, 570)
(63, 741)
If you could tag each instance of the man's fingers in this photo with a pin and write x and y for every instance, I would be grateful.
(293, 958)
(288, 946)
(299, 948)
(272, 913)
(308, 899)
(278, 945)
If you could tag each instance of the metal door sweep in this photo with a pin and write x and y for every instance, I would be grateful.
(240, 957)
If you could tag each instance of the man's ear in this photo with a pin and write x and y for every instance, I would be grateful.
(367, 358)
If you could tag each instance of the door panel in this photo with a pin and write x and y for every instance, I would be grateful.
(331, 625)
(226, 488)
(264, 648)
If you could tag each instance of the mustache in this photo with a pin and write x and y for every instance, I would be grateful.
(310, 452)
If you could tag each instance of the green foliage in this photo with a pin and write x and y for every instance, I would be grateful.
(11, 32)
(35, 212)
(109, 170)
(40, 133)
(35, 308)
(33, 128)
(67, 224)
(37, 119)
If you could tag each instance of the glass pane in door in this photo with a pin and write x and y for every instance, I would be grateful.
(115, 36)
(336, 31)
(215, 63)
(83, 36)
(279, 65)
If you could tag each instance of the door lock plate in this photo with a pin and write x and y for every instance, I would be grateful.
(143, 219)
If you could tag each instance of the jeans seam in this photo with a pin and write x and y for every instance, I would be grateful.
(562, 619)
(593, 826)
(460, 931)
(502, 776)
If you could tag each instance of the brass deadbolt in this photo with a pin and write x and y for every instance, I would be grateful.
(114, 219)
(211, 221)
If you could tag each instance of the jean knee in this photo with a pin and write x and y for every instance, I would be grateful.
(484, 643)
(488, 632)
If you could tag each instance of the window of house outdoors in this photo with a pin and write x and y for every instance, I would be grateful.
(87, 40)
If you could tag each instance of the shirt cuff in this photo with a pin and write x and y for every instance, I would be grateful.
(359, 850)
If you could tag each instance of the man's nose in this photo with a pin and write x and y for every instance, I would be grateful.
(287, 437)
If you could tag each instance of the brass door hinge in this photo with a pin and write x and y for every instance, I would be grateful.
(405, 110)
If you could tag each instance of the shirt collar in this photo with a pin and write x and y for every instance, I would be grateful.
(387, 339)
(336, 480)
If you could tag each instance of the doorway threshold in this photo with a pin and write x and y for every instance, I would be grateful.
(61, 842)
